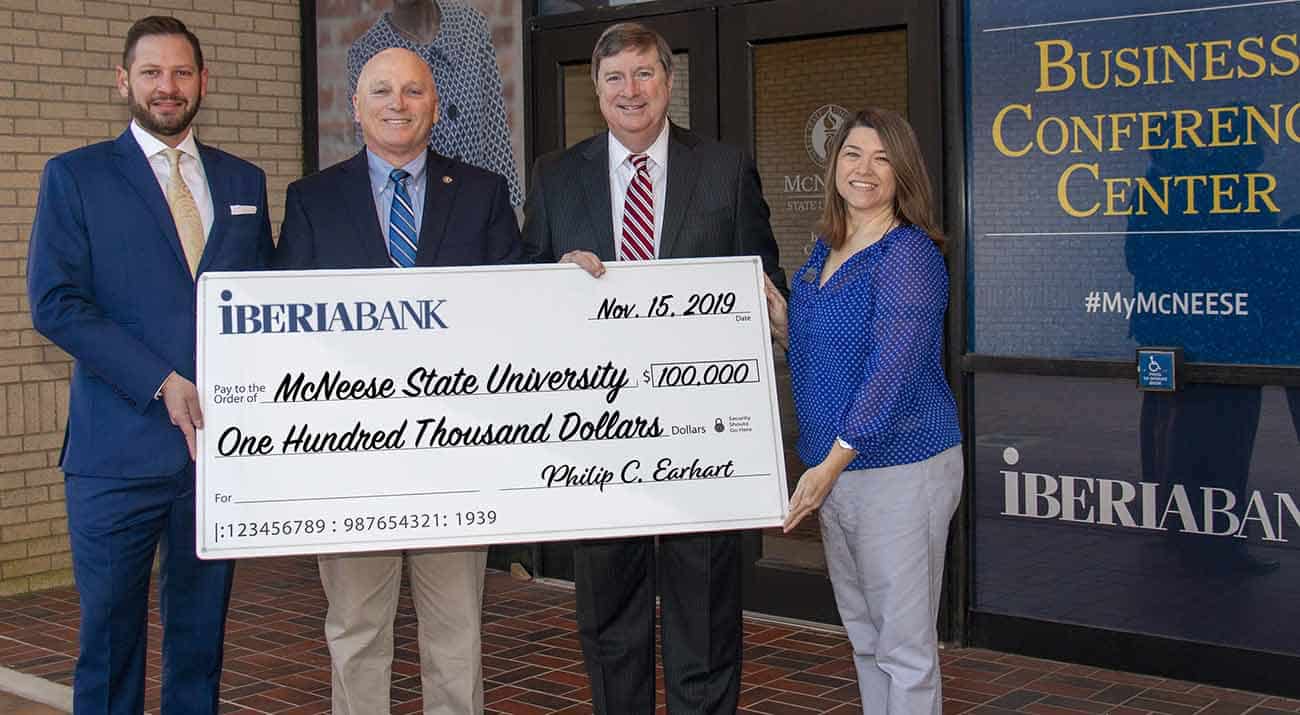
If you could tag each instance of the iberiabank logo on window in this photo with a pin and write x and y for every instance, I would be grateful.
(1204, 510)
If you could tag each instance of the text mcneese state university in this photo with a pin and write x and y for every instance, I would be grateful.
(427, 381)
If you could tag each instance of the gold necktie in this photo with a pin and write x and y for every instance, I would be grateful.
(185, 212)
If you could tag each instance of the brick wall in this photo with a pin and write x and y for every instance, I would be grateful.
(57, 93)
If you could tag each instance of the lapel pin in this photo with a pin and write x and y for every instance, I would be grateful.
(446, 179)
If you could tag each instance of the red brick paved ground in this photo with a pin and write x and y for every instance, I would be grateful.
(277, 662)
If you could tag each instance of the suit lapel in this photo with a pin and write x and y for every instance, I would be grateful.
(134, 167)
(595, 188)
(439, 197)
(682, 175)
(220, 191)
(359, 200)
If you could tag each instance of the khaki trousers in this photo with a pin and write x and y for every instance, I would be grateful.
(447, 589)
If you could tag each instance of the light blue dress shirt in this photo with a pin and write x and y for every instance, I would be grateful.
(381, 187)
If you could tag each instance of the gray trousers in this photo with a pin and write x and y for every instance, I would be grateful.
(885, 531)
(447, 591)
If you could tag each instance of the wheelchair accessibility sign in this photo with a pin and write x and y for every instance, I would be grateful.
(1158, 368)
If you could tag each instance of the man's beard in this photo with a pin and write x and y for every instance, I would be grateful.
(169, 126)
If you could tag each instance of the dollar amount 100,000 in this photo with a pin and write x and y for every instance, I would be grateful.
(689, 374)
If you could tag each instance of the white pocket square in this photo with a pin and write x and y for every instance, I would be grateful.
(242, 210)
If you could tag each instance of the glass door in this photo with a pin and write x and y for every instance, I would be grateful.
(777, 78)
(791, 76)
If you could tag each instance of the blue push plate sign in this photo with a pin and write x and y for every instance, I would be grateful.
(1159, 368)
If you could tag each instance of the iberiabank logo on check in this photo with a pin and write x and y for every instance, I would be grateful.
(363, 315)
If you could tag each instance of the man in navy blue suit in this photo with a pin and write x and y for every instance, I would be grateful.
(122, 230)
(397, 203)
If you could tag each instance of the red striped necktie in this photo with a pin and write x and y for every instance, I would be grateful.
(639, 214)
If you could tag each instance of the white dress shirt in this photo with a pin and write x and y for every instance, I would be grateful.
(621, 172)
(191, 169)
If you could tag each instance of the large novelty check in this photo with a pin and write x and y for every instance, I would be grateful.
(389, 409)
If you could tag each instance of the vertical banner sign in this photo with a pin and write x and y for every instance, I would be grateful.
(1135, 178)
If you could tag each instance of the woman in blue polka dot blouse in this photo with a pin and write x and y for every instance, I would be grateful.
(877, 422)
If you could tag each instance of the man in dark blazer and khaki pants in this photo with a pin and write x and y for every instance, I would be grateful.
(399, 204)
(647, 189)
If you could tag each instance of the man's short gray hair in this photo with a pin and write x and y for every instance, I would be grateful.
(630, 35)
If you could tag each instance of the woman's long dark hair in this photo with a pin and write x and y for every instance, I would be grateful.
(913, 198)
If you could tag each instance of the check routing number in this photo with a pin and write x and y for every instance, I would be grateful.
(390, 409)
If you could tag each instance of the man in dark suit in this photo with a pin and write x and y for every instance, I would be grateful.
(397, 203)
(122, 229)
(643, 190)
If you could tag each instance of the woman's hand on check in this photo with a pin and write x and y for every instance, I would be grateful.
(814, 486)
(777, 314)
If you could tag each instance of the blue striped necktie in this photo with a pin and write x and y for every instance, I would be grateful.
(403, 234)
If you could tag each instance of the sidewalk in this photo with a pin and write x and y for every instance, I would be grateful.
(14, 705)
(277, 661)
